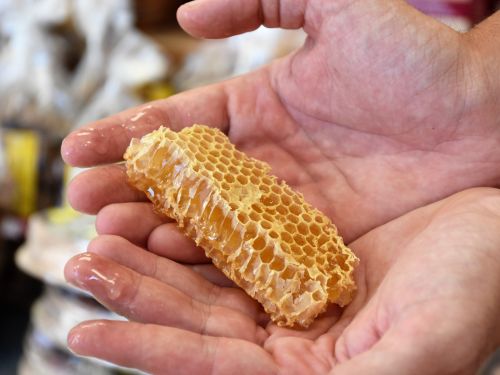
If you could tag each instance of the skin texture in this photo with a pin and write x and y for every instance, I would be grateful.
(381, 112)
(428, 303)
(378, 93)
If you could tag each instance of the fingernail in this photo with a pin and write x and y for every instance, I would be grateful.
(66, 150)
(76, 336)
(73, 340)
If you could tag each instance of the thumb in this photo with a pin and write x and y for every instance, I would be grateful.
(223, 18)
(430, 350)
(381, 360)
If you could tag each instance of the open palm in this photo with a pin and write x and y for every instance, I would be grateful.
(428, 302)
(380, 100)
(376, 115)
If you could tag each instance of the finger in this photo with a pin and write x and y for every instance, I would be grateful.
(105, 141)
(95, 188)
(212, 274)
(178, 276)
(133, 221)
(168, 241)
(165, 350)
(223, 18)
(144, 299)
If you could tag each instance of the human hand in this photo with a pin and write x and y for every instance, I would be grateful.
(428, 300)
(377, 114)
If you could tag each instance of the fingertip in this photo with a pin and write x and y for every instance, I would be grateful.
(78, 337)
(79, 196)
(74, 267)
(107, 220)
(84, 147)
(133, 221)
(168, 241)
(219, 18)
(189, 19)
(103, 245)
(67, 150)
(68, 271)
(74, 339)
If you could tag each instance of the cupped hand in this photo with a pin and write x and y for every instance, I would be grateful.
(428, 301)
(378, 113)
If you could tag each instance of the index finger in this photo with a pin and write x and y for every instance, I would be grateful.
(106, 140)
(166, 350)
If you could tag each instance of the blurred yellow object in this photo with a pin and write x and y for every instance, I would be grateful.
(62, 215)
(22, 149)
(155, 91)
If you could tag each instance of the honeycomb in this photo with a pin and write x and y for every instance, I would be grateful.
(257, 230)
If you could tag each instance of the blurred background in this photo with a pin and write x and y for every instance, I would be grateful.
(64, 63)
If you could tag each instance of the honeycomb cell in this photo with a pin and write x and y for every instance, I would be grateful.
(278, 264)
(273, 234)
(267, 181)
(295, 209)
(286, 200)
(276, 189)
(267, 255)
(248, 164)
(267, 216)
(259, 243)
(250, 232)
(287, 237)
(299, 239)
(307, 218)
(229, 178)
(256, 207)
(266, 225)
(282, 210)
(315, 229)
(270, 200)
(254, 180)
(255, 216)
(243, 217)
(303, 228)
(217, 175)
(257, 230)
(309, 262)
(290, 228)
(265, 189)
(242, 179)
(203, 145)
(200, 157)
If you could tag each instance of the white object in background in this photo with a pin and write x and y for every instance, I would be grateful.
(220, 59)
(50, 245)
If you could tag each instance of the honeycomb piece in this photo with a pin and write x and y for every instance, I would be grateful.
(258, 231)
